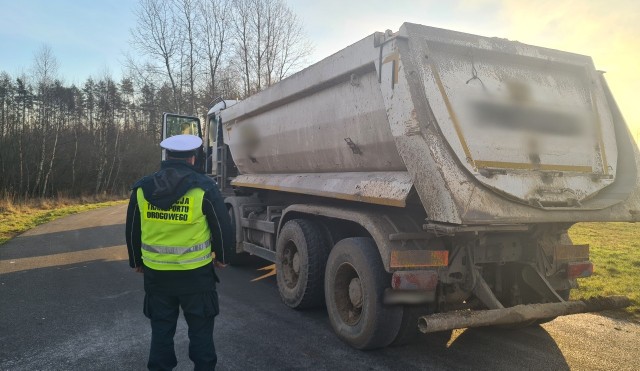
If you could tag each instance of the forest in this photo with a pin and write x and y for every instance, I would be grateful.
(99, 137)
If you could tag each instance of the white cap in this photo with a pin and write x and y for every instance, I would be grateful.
(181, 143)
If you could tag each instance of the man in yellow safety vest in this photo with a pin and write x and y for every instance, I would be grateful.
(177, 230)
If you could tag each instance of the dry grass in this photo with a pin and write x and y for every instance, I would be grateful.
(19, 216)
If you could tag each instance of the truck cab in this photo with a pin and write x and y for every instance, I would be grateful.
(213, 158)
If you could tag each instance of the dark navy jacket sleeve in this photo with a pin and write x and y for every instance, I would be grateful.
(133, 232)
(222, 234)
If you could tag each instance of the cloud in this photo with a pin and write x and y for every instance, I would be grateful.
(608, 31)
(335, 24)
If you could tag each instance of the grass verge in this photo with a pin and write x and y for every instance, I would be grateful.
(615, 253)
(18, 217)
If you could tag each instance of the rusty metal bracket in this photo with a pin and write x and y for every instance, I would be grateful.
(440, 230)
(537, 282)
(260, 251)
(449, 230)
(483, 292)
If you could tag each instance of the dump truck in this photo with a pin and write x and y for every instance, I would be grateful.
(425, 180)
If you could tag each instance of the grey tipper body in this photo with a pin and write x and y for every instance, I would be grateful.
(460, 160)
(407, 107)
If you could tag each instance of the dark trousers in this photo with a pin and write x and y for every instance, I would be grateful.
(199, 311)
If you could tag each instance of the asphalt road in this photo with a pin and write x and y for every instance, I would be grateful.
(69, 301)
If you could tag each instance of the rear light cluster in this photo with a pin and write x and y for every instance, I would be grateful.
(579, 269)
(426, 280)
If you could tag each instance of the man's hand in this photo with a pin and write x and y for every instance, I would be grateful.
(138, 269)
(218, 264)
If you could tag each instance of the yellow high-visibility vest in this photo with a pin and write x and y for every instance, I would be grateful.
(178, 238)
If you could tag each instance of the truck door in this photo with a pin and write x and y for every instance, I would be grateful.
(173, 124)
(211, 146)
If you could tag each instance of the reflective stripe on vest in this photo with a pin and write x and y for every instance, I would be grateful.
(176, 250)
(177, 238)
(208, 256)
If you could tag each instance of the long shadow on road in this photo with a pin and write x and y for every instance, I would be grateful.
(82, 316)
(481, 349)
(27, 246)
(257, 331)
(88, 315)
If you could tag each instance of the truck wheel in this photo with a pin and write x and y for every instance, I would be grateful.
(410, 333)
(232, 256)
(355, 281)
(301, 257)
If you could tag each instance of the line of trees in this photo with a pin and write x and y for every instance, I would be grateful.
(100, 136)
(57, 139)
(202, 49)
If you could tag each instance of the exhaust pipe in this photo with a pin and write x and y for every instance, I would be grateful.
(517, 314)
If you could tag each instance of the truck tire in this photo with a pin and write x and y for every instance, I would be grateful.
(410, 333)
(355, 281)
(301, 257)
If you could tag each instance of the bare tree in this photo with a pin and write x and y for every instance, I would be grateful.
(189, 21)
(181, 40)
(270, 42)
(157, 36)
(45, 69)
(291, 47)
(25, 100)
(244, 40)
(75, 141)
(260, 28)
(213, 30)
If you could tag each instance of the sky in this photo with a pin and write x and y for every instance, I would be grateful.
(87, 37)
(90, 37)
